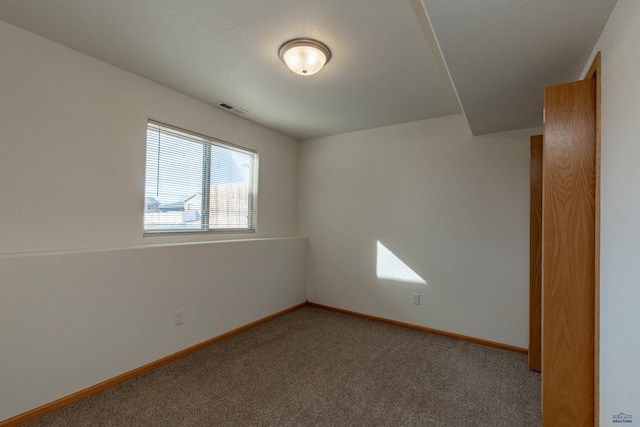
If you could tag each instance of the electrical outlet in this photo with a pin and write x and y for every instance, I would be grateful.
(178, 317)
(415, 299)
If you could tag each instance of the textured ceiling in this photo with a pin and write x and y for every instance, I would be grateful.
(386, 66)
(501, 54)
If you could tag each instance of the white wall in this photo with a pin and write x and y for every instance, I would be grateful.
(73, 134)
(620, 214)
(453, 207)
(73, 319)
(83, 295)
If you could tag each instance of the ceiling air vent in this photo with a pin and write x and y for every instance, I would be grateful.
(231, 108)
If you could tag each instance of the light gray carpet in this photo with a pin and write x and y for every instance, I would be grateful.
(314, 367)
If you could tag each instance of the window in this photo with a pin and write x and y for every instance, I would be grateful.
(195, 183)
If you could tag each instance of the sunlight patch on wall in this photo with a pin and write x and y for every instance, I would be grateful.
(390, 267)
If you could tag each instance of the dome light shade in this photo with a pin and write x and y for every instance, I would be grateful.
(304, 56)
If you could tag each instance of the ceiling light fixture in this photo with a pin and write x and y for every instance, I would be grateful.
(304, 56)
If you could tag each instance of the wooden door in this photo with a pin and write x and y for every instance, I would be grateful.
(569, 254)
(535, 253)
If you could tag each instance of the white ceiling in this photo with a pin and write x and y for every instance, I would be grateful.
(386, 67)
(501, 54)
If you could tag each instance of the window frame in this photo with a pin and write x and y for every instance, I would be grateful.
(207, 142)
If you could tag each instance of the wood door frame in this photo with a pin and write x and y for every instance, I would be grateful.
(595, 72)
(535, 253)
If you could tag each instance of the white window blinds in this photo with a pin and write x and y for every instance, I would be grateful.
(195, 183)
